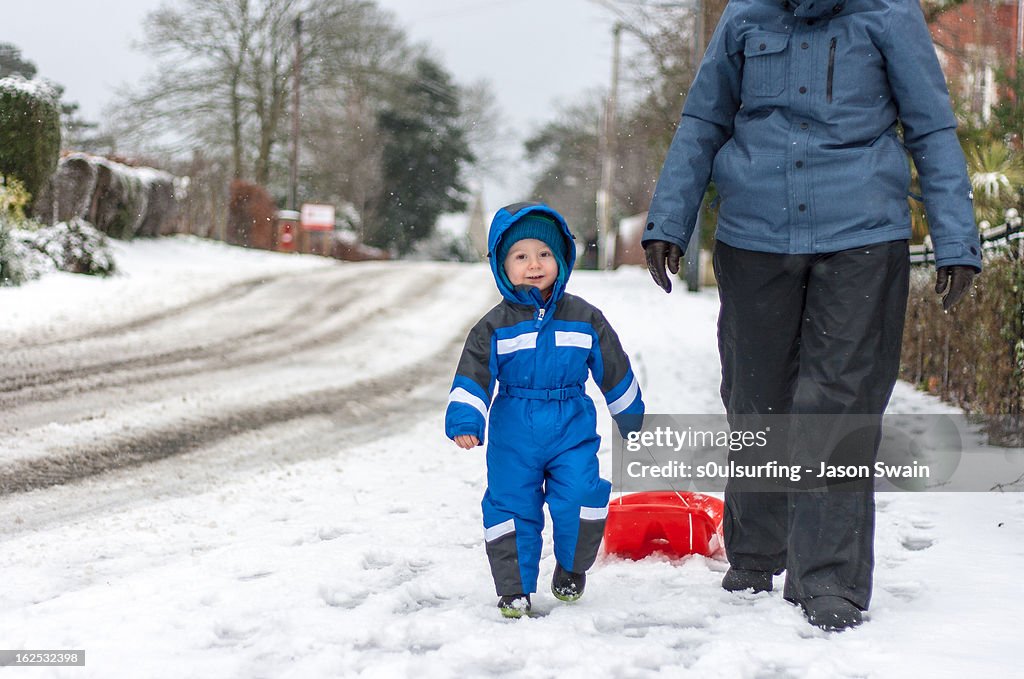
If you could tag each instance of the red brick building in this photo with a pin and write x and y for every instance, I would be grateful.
(974, 40)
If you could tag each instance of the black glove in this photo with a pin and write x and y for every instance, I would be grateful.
(956, 278)
(658, 252)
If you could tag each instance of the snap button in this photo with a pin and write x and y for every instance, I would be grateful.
(799, 163)
(762, 46)
(650, 226)
(804, 45)
(803, 90)
(804, 126)
(802, 207)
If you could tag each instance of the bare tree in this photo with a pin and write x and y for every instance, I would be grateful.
(197, 91)
(487, 132)
(225, 79)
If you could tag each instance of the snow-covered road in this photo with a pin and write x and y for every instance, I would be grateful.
(264, 490)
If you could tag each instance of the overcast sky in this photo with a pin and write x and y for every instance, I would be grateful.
(536, 53)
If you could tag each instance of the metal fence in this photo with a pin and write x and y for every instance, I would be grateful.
(1008, 235)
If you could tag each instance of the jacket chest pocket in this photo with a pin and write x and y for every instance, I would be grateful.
(764, 68)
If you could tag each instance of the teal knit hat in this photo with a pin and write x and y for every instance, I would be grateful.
(538, 226)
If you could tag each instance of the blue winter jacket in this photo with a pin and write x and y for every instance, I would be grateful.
(545, 347)
(793, 115)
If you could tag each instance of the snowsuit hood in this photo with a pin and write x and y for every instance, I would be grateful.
(504, 218)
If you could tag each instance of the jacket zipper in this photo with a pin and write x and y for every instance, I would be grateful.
(540, 316)
(831, 69)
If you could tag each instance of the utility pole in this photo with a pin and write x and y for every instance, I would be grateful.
(691, 260)
(293, 180)
(605, 229)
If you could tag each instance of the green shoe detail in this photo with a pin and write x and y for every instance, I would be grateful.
(566, 585)
(514, 605)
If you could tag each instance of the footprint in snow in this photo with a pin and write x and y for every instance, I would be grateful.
(326, 533)
(916, 543)
(375, 561)
(904, 591)
(338, 598)
(258, 575)
(233, 632)
(417, 598)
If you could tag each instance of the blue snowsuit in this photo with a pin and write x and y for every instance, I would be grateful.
(543, 441)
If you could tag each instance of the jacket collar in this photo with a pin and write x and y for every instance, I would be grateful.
(813, 9)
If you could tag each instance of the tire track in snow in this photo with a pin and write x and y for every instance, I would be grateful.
(261, 344)
(223, 295)
(362, 410)
(365, 405)
(360, 406)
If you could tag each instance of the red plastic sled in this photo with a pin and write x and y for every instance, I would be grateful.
(675, 524)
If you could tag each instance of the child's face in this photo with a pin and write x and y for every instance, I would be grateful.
(531, 262)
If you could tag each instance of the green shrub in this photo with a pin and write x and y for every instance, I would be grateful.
(29, 131)
(973, 356)
(13, 198)
(11, 272)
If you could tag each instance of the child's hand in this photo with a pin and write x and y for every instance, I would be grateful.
(467, 441)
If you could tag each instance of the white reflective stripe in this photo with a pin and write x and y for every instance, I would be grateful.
(573, 339)
(622, 402)
(460, 395)
(593, 513)
(501, 530)
(527, 340)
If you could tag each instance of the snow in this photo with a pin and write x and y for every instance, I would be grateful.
(159, 275)
(38, 89)
(367, 559)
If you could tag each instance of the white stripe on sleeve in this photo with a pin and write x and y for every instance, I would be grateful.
(460, 395)
(622, 402)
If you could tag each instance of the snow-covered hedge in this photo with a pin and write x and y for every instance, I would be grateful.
(75, 247)
(119, 200)
(29, 131)
(11, 269)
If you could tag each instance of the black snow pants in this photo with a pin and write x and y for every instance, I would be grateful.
(810, 334)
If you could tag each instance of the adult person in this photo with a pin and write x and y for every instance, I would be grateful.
(795, 114)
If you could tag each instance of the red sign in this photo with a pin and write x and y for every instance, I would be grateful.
(317, 217)
(286, 237)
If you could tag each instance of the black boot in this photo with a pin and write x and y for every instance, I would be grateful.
(566, 585)
(831, 613)
(739, 579)
(514, 605)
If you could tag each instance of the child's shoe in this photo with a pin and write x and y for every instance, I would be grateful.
(566, 585)
(514, 605)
